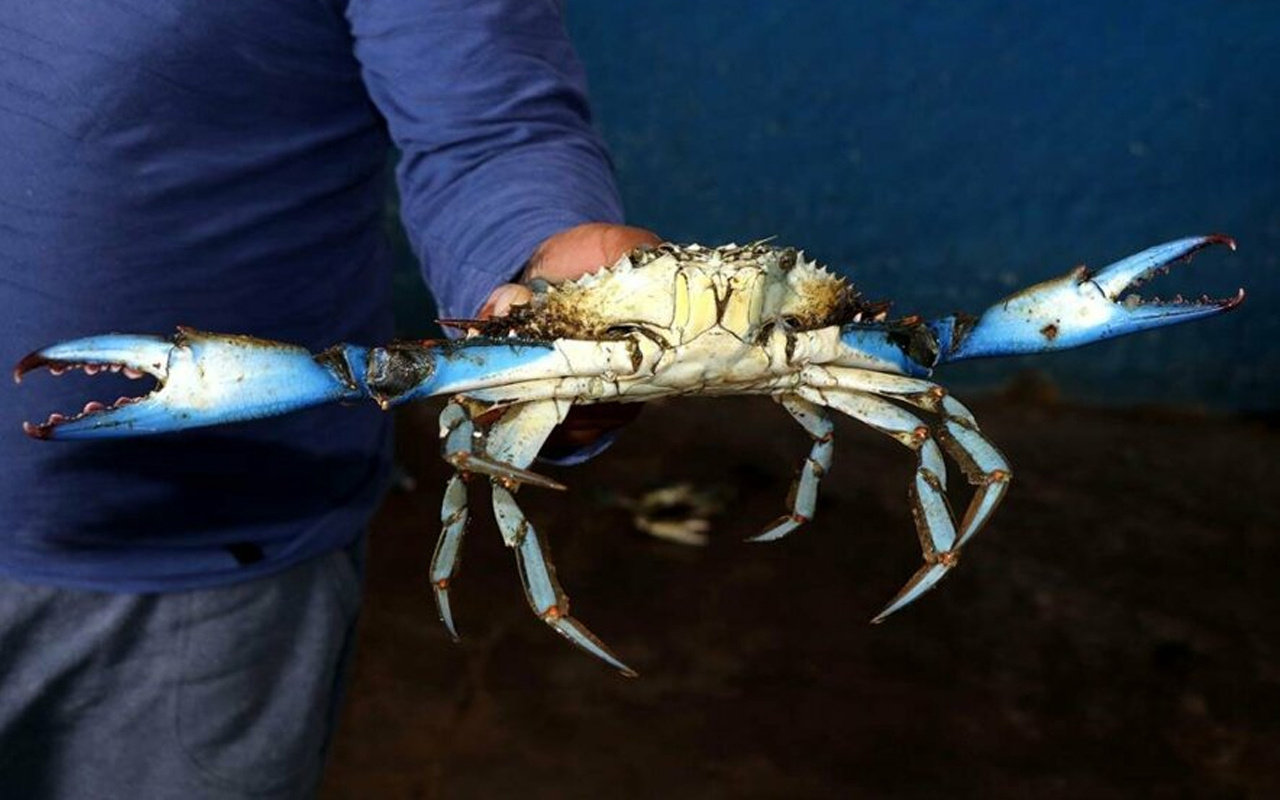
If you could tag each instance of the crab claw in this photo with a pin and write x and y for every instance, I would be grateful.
(201, 379)
(1081, 307)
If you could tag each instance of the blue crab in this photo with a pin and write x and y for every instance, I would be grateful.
(671, 320)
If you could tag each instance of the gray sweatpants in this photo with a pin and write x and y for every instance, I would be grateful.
(213, 693)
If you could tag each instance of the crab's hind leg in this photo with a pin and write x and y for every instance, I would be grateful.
(515, 439)
(804, 492)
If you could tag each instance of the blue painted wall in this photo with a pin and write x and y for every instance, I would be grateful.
(944, 153)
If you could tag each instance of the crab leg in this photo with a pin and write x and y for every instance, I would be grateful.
(804, 492)
(930, 509)
(983, 465)
(516, 439)
(459, 437)
(209, 379)
(447, 557)
(458, 433)
(1081, 307)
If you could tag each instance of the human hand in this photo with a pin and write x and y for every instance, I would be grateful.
(567, 255)
(563, 257)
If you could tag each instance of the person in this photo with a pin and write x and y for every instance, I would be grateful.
(175, 612)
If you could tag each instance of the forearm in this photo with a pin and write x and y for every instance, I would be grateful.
(486, 101)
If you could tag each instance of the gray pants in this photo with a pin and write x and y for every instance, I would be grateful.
(213, 693)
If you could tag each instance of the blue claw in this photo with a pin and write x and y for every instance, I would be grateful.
(1079, 308)
(201, 379)
(209, 379)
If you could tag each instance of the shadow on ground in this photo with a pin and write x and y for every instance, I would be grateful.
(1114, 633)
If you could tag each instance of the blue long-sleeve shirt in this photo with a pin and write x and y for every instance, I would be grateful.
(221, 165)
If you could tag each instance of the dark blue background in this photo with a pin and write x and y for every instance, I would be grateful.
(943, 154)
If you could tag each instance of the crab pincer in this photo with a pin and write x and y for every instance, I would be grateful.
(200, 379)
(1083, 307)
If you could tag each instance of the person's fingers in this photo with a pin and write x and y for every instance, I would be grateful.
(503, 298)
(565, 256)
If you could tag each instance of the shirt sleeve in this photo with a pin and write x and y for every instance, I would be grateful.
(486, 100)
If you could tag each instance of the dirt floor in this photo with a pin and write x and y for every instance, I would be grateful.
(1113, 633)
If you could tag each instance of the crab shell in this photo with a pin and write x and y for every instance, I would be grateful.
(677, 294)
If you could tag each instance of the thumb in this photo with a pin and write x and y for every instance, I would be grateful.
(503, 298)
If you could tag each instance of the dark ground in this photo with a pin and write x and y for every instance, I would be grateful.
(1113, 633)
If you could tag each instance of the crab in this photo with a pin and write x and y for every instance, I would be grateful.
(664, 321)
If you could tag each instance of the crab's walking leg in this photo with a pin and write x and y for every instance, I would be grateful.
(804, 492)
(458, 435)
(459, 450)
(445, 562)
(983, 465)
(929, 506)
(516, 439)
